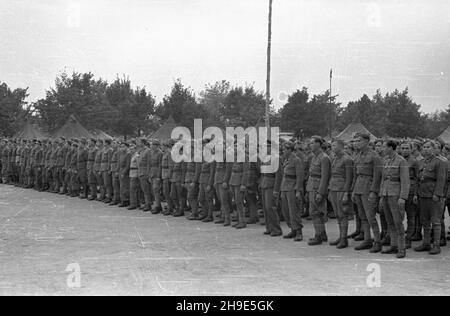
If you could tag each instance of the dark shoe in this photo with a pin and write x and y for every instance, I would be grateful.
(435, 250)
(146, 209)
(386, 241)
(390, 251)
(267, 232)
(241, 226)
(291, 235)
(158, 210)
(365, 245)
(107, 201)
(335, 243)
(401, 254)
(376, 247)
(360, 237)
(276, 234)
(422, 248)
(314, 242)
(91, 198)
(193, 217)
(132, 208)
(252, 221)
(208, 220)
(202, 217)
(416, 237)
(343, 243)
(121, 204)
(227, 223)
(443, 243)
(356, 233)
(298, 236)
(220, 221)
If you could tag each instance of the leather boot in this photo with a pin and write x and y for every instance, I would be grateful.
(435, 250)
(365, 245)
(377, 247)
(422, 248)
(291, 235)
(336, 242)
(390, 251)
(298, 235)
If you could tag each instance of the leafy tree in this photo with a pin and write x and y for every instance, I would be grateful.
(80, 95)
(133, 107)
(243, 107)
(212, 99)
(182, 105)
(12, 112)
(306, 117)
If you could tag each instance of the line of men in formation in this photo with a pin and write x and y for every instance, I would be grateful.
(356, 180)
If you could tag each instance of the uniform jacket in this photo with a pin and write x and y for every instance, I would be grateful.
(155, 164)
(319, 174)
(432, 177)
(144, 163)
(367, 172)
(293, 174)
(414, 168)
(395, 177)
(341, 173)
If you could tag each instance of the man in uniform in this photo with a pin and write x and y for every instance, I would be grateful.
(67, 188)
(155, 176)
(98, 170)
(206, 189)
(340, 190)
(291, 189)
(82, 162)
(366, 186)
(432, 180)
(39, 163)
(74, 180)
(60, 160)
(191, 178)
(124, 174)
(92, 168)
(394, 192)
(144, 173)
(221, 178)
(250, 183)
(235, 185)
(115, 173)
(105, 169)
(411, 206)
(134, 176)
(177, 180)
(166, 175)
(317, 189)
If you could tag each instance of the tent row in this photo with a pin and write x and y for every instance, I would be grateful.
(71, 129)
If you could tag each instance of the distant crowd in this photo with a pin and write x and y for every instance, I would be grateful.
(375, 183)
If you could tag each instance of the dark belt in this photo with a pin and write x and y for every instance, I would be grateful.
(133, 168)
(427, 180)
(314, 176)
(392, 179)
(287, 176)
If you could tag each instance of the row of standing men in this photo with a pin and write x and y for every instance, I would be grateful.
(351, 179)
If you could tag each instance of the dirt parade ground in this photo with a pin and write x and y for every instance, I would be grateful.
(46, 238)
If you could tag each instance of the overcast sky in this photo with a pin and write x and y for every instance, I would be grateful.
(369, 44)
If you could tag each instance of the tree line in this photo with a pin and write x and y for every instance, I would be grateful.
(123, 110)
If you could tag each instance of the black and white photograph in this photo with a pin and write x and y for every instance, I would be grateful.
(222, 154)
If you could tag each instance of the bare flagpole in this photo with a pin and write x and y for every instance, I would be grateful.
(269, 48)
(331, 107)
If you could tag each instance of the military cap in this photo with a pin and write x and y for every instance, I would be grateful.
(69, 142)
(83, 140)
